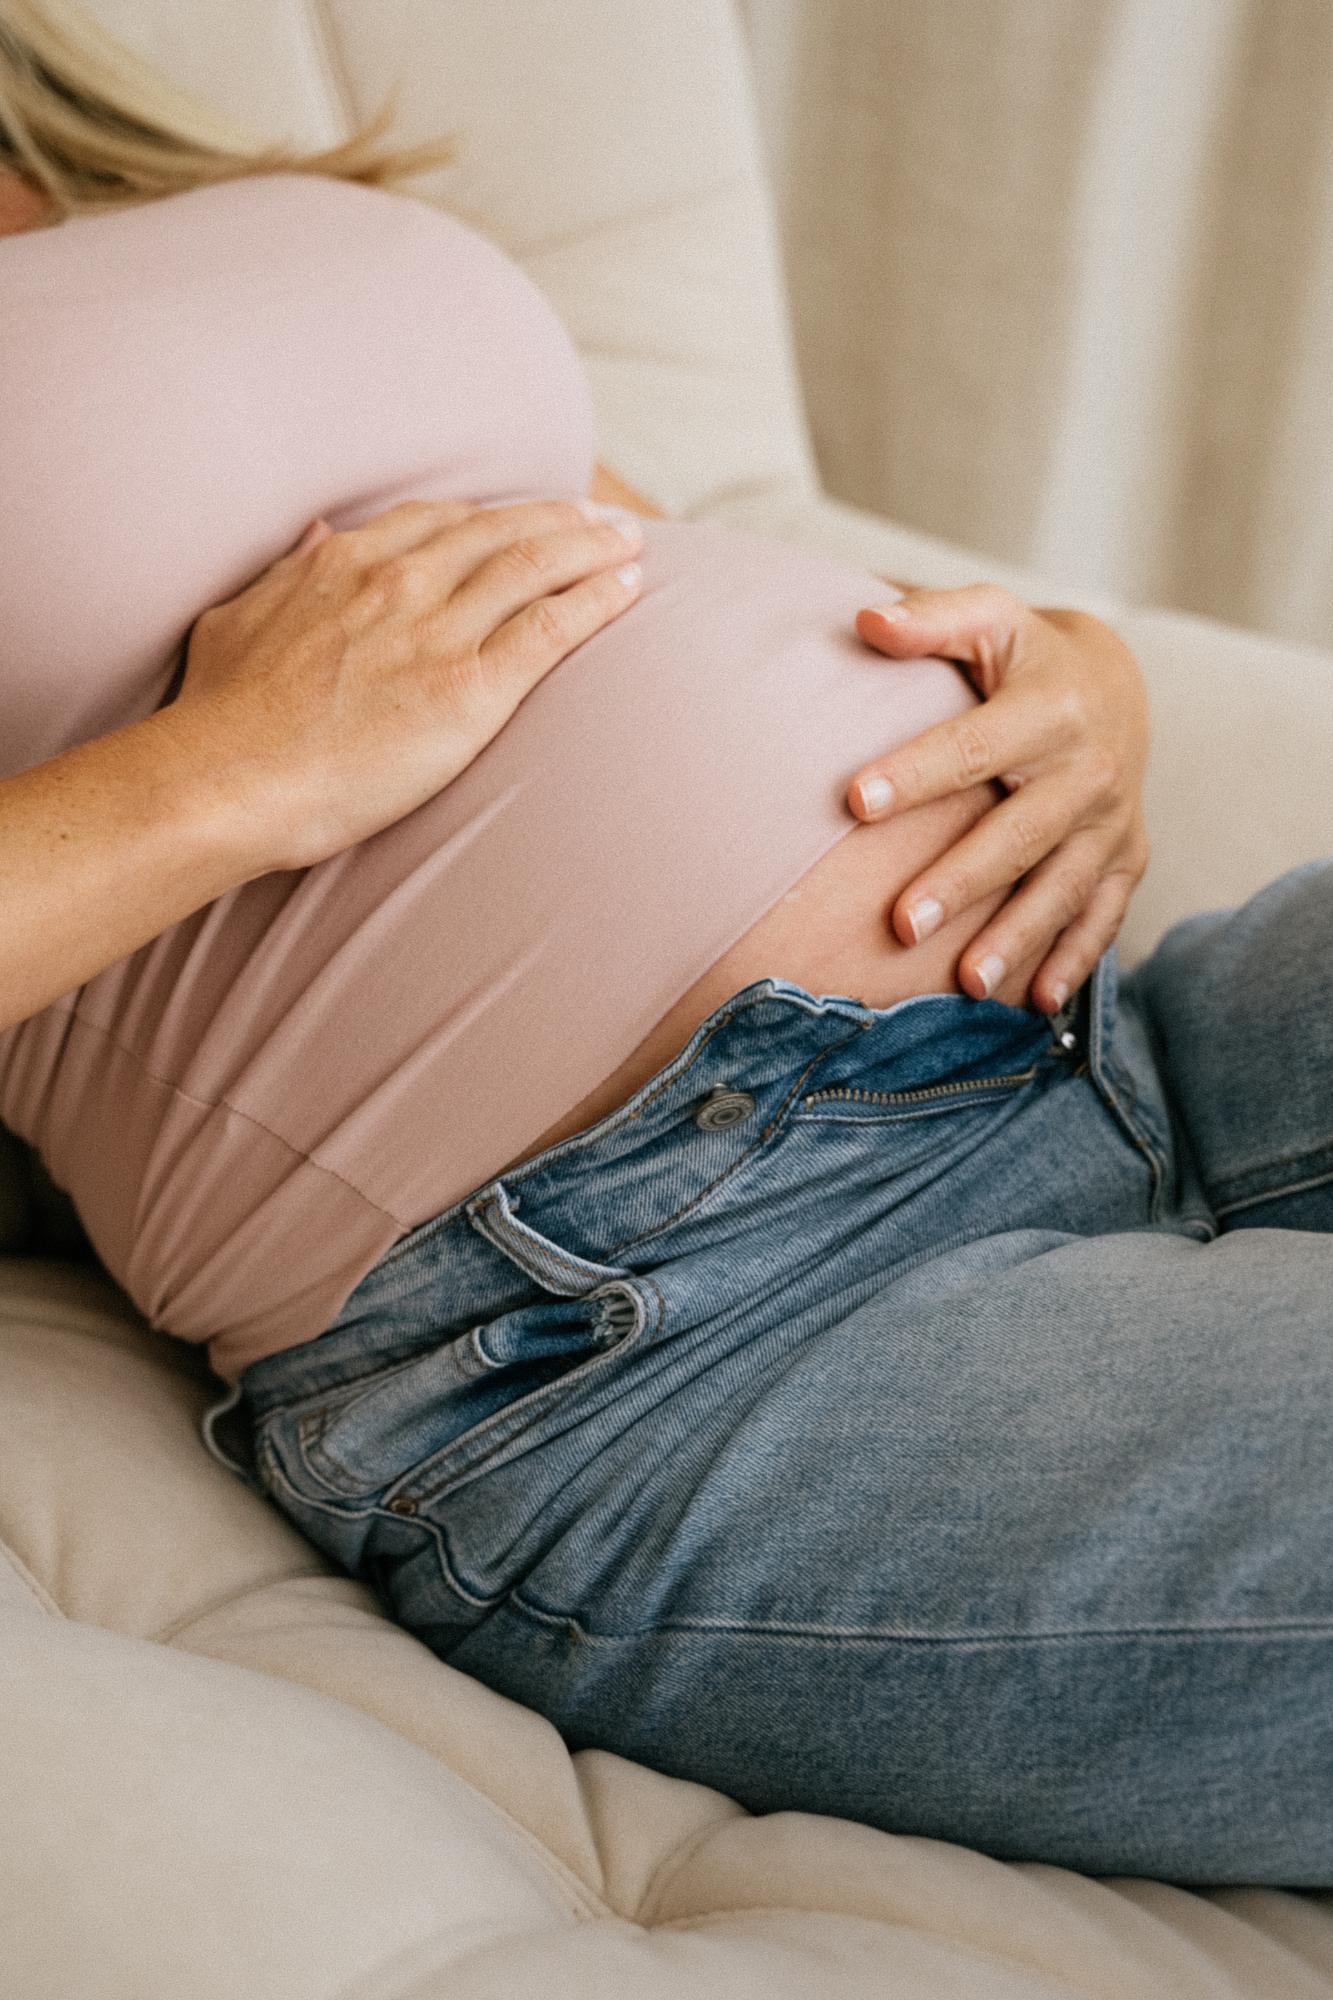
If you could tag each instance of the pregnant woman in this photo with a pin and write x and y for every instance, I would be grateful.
(695, 1316)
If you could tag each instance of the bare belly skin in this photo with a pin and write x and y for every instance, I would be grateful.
(830, 934)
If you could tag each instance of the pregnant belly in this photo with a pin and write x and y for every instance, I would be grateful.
(830, 934)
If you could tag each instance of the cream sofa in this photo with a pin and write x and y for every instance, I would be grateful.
(223, 1772)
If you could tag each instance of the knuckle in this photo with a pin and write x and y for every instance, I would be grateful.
(398, 570)
(547, 620)
(471, 686)
(399, 580)
(1027, 839)
(971, 752)
(1069, 706)
(528, 558)
(1070, 899)
(372, 590)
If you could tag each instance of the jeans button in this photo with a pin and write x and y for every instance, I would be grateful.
(723, 1107)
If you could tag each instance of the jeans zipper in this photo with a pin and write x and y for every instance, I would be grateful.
(856, 1095)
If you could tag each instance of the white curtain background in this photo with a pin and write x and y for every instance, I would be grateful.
(1062, 282)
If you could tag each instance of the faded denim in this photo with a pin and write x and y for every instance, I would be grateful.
(946, 1445)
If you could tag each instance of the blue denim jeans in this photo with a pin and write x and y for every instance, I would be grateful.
(919, 1415)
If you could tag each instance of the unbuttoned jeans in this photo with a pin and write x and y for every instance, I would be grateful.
(919, 1415)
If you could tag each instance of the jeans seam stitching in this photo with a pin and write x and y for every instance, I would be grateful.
(1291, 1628)
(1284, 1188)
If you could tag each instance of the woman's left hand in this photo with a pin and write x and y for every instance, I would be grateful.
(1064, 726)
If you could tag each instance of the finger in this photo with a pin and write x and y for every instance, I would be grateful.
(280, 569)
(536, 638)
(403, 527)
(1004, 844)
(520, 574)
(1019, 936)
(1002, 739)
(1079, 947)
(458, 534)
(981, 624)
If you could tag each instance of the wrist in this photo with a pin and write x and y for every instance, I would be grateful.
(226, 812)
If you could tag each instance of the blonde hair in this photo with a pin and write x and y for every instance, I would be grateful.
(94, 127)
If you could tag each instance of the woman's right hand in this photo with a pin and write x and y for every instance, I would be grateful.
(365, 669)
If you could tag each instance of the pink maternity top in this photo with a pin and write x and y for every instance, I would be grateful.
(250, 1110)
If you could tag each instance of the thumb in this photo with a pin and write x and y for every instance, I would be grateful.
(978, 625)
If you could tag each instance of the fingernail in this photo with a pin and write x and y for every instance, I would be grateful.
(630, 574)
(1059, 993)
(991, 971)
(875, 793)
(893, 611)
(925, 918)
(619, 518)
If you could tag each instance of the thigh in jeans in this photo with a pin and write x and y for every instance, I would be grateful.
(1033, 1559)
(1239, 1005)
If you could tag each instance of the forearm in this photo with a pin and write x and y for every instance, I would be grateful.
(108, 845)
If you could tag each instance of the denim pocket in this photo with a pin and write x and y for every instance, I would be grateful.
(468, 1395)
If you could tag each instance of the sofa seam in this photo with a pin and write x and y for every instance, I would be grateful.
(666, 1872)
(170, 1634)
(578, 1898)
(32, 1584)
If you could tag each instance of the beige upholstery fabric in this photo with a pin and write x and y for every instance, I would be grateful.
(223, 1770)
(1062, 280)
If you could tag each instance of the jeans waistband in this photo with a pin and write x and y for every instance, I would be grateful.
(742, 1074)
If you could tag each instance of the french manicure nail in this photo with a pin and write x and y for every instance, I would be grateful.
(925, 918)
(991, 971)
(876, 793)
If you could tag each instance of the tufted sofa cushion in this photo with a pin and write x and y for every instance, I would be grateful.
(226, 1772)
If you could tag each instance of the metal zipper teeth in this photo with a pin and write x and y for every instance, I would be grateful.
(849, 1091)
